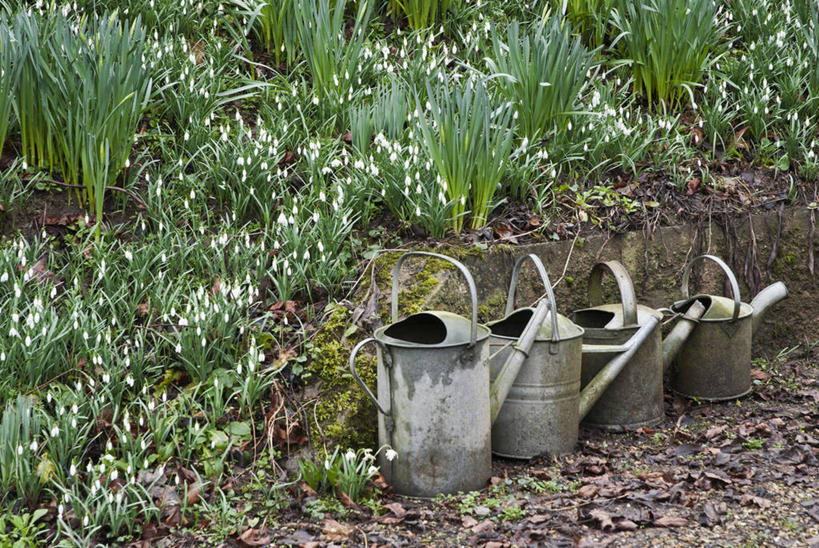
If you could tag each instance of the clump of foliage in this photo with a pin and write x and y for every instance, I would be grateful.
(543, 72)
(469, 138)
(82, 91)
(669, 45)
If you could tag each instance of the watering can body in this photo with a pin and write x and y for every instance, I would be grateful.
(433, 398)
(715, 362)
(635, 397)
(540, 413)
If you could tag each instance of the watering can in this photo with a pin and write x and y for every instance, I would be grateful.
(715, 363)
(545, 404)
(434, 394)
(635, 397)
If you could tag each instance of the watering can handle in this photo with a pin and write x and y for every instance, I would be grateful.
(473, 293)
(544, 277)
(624, 285)
(728, 273)
(385, 355)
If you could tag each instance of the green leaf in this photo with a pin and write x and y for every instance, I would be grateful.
(239, 430)
(218, 439)
(45, 469)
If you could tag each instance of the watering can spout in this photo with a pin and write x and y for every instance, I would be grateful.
(674, 341)
(503, 383)
(597, 386)
(765, 299)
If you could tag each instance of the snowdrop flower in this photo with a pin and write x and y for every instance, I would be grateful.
(391, 454)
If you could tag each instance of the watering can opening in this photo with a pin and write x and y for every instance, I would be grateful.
(716, 308)
(592, 318)
(513, 325)
(422, 328)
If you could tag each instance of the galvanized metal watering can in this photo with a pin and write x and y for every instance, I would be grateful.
(715, 363)
(434, 394)
(545, 403)
(540, 413)
(635, 397)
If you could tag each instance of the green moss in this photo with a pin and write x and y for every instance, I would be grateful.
(344, 415)
(493, 309)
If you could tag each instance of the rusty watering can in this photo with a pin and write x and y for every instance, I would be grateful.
(635, 397)
(434, 394)
(715, 363)
(545, 404)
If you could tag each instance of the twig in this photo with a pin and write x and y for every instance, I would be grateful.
(575, 506)
(81, 187)
(811, 234)
(566, 264)
(49, 381)
(777, 239)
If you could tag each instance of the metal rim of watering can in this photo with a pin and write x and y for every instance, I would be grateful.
(473, 293)
(716, 399)
(385, 353)
(728, 273)
(547, 284)
(624, 285)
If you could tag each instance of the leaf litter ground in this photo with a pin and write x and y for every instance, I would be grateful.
(739, 473)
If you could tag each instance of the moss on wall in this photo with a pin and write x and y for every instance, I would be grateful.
(344, 415)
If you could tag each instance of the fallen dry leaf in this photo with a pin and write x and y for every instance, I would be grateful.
(603, 518)
(748, 500)
(505, 232)
(254, 537)
(587, 491)
(194, 490)
(335, 531)
(396, 508)
(759, 375)
(483, 527)
(671, 521)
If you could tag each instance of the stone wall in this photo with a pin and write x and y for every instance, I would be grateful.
(656, 264)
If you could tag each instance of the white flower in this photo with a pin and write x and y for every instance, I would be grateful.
(391, 454)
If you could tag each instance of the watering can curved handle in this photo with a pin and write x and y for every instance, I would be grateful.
(732, 279)
(473, 293)
(385, 355)
(624, 285)
(544, 277)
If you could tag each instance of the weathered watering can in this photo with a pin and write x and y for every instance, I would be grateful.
(434, 394)
(635, 397)
(715, 363)
(545, 404)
